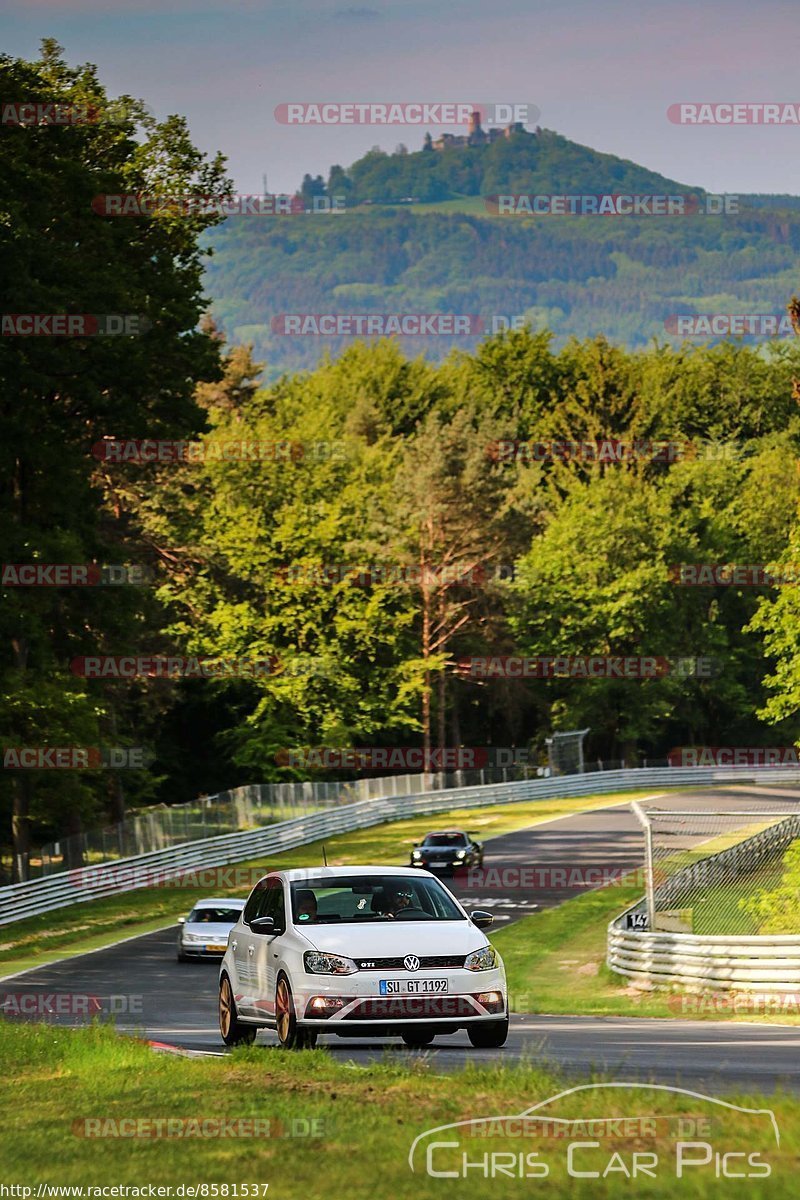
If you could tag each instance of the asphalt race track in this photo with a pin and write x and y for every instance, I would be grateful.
(150, 994)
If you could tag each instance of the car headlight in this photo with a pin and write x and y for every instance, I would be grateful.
(461, 854)
(481, 960)
(317, 963)
(416, 854)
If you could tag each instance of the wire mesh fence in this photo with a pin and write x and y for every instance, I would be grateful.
(250, 807)
(253, 806)
(723, 871)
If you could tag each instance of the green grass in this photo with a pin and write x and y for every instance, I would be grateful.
(365, 1118)
(88, 926)
(555, 959)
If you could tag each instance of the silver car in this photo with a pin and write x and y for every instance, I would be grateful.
(204, 933)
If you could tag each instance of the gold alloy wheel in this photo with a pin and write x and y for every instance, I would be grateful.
(283, 1019)
(225, 1007)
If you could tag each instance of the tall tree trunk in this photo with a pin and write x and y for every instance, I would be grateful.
(117, 792)
(442, 712)
(20, 835)
(426, 653)
(21, 802)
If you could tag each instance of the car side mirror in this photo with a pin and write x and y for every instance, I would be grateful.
(181, 920)
(481, 918)
(263, 925)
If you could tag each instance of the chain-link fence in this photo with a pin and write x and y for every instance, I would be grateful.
(723, 871)
(565, 752)
(249, 807)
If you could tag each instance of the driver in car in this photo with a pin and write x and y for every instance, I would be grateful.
(397, 898)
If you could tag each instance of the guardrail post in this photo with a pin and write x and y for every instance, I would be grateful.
(649, 884)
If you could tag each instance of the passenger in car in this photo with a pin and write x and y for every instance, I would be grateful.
(306, 905)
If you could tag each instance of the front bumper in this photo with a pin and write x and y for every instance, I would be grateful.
(354, 1002)
(201, 951)
(442, 867)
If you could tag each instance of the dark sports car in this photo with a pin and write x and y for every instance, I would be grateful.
(447, 850)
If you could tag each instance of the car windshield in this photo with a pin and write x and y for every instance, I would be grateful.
(371, 898)
(445, 839)
(216, 916)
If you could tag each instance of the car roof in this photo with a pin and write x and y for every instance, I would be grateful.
(222, 902)
(302, 873)
(446, 833)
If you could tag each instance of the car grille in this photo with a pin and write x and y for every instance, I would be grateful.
(429, 962)
(412, 1007)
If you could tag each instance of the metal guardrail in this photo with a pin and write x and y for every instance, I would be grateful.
(34, 897)
(744, 963)
(725, 962)
(249, 807)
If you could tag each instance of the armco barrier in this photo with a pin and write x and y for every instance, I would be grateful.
(739, 963)
(735, 962)
(21, 900)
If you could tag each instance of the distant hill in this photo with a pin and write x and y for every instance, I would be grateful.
(417, 236)
(522, 162)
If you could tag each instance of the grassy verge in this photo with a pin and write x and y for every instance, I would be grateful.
(555, 962)
(362, 1120)
(38, 940)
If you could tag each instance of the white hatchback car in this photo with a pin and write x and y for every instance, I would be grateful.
(204, 933)
(360, 951)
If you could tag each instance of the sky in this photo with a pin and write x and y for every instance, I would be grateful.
(603, 74)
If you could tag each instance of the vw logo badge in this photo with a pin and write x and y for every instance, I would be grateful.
(411, 962)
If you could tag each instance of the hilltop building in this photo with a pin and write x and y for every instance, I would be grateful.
(476, 135)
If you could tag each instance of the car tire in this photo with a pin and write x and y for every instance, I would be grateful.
(417, 1039)
(182, 957)
(489, 1035)
(233, 1032)
(290, 1035)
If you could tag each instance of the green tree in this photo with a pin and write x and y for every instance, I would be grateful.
(60, 395)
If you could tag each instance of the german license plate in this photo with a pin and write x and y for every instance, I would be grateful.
(415, 987)
(438, 864)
